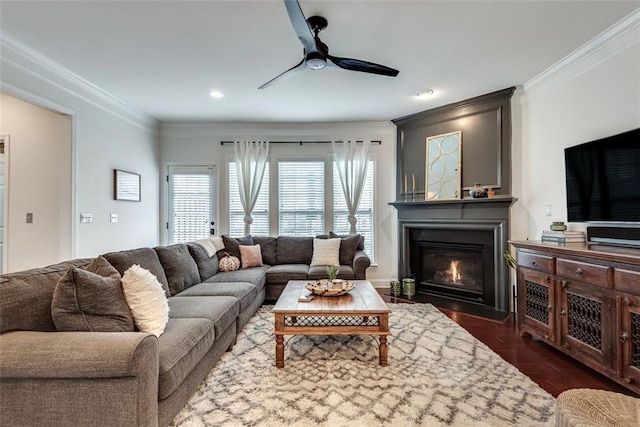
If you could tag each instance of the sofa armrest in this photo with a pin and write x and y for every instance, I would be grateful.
(78, 378)
(30, 354)
(361, 262)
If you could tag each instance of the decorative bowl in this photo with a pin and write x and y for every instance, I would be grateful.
(328, 289)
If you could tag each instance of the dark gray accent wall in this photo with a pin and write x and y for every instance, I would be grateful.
(485, 122)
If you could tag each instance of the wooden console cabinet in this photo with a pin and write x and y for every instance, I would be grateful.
(585, 301)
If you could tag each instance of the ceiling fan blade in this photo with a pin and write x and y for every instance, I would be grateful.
(300, 25)
(358, 65)
(290, 72)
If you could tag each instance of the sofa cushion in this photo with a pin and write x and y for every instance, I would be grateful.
(180, 349)
(255, 275)
(145, 257)
(221, 310)
(325, 252)
(25, 296)
(320, 272)
(246, 293)
(294, 250)
(267, 248)
(348, 247)
(231, 244)
(207, 265)
(91, 300)
(281, 274)
(250, 256)
(179, 267)
(146, 300)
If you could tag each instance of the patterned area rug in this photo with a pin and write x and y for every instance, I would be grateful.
(438, 375)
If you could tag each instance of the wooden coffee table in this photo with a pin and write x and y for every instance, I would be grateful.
(360, 312)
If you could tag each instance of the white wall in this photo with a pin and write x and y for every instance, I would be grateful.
(593, 93)
(199, 143)
(39, 178)
(106, 134)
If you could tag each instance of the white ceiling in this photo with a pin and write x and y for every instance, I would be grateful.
(164, 58)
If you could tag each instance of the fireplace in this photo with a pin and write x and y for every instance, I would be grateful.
(454, 251)
(453, 262)
(452, 269)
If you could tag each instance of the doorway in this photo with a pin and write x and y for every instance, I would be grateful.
(192, 203)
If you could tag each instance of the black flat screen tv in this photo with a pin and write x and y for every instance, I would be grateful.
(603, 179)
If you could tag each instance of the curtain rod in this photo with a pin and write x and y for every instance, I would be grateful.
(376, 142)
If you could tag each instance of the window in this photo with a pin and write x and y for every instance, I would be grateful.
(301, 198)
(260, 213)
(191, 202)
(365, 222)
(299, 189)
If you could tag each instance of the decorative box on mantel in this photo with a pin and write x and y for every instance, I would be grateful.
(454, 250)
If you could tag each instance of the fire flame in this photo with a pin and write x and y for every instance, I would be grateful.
(455, 275)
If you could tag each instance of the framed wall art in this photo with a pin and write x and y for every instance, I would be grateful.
(126, 186)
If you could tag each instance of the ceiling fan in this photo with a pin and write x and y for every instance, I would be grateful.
(316, 53)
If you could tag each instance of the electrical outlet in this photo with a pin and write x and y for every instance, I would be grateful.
(86, 218)
(29, 218)
(548, 210)
(114, 218)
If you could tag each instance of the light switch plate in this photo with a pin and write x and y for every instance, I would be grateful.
(86, 218)
(548, 210)
(114, 218)
(29, 218)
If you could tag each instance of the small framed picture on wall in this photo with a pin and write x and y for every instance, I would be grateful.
(126, 186)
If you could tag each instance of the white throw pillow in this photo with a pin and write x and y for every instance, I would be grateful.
(146, 300)
(326, 252)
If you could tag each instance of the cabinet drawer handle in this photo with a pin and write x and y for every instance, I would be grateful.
(627, 301)
(549, 308)
(547, 278)
(563, 313)
(533, 263)
(563, 284)
(624, 337)
(579, 272)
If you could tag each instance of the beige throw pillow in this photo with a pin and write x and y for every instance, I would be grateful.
(250, 256)
(326, 252)
(146, 299)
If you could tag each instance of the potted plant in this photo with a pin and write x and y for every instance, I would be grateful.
(332, 272)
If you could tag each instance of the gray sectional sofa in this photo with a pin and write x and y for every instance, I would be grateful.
(54, 378)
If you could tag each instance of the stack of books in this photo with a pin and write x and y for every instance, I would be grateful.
(562, 237)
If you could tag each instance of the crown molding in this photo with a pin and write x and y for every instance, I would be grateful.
(24, 58)
(282, 131)
(613, 40)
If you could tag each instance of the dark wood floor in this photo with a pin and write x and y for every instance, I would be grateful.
(549, 368)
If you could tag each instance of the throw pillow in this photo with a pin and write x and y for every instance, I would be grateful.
(146, 299)
(348, 247)
(344, 236)
(91, 300)
(231, 244)
(267, 248)
(251, 256)
(325, 252)
(179, 267)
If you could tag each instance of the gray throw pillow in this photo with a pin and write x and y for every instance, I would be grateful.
(231, 244)
(348, 247)
(179, 267)
(268, 249)
(91, 300)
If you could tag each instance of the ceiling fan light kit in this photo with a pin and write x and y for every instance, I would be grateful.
(316, 53)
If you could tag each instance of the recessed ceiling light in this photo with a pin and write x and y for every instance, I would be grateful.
(423, 93)
(216, 94)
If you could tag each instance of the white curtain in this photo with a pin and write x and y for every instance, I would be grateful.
(352, 160)
(251, 159)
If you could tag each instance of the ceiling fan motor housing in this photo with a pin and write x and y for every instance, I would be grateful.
(315, 61)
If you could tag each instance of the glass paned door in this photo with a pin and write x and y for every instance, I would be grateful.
(192, 203)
